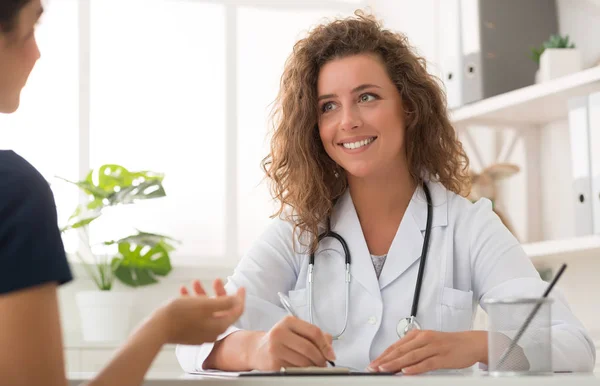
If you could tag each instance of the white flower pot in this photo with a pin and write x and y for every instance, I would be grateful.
(557, 62)
(105, 315)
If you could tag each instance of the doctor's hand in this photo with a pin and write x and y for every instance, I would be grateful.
(292, 342)
(423, 351)
(199, 319)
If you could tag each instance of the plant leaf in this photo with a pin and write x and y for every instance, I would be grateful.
(143, 277)
(140, 264)
(145, 190)
(124, 274)
(77, 220)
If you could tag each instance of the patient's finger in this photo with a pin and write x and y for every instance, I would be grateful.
(219, 288)
(198, 288)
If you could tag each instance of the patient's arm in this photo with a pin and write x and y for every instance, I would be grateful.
(31, 351)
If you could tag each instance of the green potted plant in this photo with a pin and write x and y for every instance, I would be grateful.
(136, 259)
(557, 57)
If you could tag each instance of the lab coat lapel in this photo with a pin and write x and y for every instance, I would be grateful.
(345, 222)
(404, 251)
(407, 245)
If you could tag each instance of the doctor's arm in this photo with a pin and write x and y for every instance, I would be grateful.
(264, 338)
(500, 268)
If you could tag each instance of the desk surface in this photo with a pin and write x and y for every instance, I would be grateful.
(170, 379)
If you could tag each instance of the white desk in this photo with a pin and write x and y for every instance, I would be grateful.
(171, 379)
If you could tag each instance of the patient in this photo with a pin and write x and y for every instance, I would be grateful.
(33, 259)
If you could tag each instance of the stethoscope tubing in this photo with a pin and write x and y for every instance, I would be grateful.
(420, 274)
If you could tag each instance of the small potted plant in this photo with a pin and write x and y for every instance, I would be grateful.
(134, 260)
(557, 57)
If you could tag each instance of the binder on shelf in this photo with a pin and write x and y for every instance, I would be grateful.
(594, 134)
(451, 51)
(580, 165)
(485, 45)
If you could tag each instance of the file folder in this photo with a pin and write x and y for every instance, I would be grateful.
(485, 45)
(580, 165)
(594, 134)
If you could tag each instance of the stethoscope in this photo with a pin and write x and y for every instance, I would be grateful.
(404, 325)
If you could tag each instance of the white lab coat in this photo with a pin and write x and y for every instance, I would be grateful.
(472, 257)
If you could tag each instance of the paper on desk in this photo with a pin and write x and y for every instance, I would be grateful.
(292, 370)
(219, 373)
(315, 370)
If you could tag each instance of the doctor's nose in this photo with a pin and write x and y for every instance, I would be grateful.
(350, 119)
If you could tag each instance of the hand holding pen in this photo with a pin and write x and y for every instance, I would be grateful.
(293, 342)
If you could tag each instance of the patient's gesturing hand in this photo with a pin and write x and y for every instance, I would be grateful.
(196, 319)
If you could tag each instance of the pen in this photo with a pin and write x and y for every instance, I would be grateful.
(285, 302)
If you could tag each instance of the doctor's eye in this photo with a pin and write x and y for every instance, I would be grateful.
(368, 97)
(328, 106)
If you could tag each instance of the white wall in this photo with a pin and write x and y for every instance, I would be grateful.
(580, 19)
(416, 19)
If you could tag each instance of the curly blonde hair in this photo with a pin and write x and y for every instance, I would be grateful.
(302, 176)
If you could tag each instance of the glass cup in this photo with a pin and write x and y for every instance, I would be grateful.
(519, 336)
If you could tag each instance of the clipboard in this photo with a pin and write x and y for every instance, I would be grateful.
(314, 372)
(317, 374)
(294, 372)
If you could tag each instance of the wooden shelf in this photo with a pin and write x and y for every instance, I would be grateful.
(529, 106)
(563, 250)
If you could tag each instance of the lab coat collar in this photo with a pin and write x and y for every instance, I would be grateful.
(439, 198)
(406, 246)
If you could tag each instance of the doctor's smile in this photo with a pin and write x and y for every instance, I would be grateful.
(356, 144)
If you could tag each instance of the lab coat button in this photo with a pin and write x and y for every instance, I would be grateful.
(372, 320)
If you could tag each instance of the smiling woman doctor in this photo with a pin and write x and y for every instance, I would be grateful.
(362, 138)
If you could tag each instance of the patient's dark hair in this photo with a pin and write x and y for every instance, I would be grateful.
(9, 11)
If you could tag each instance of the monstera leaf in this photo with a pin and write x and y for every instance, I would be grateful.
(111, 185)
(143, 256)
(137, 265)
(81, 217)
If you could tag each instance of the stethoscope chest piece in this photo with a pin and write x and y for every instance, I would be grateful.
(406, 325)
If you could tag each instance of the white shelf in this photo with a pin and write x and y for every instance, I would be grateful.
(529, 106)
(563, 250)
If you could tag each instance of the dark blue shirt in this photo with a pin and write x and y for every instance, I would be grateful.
(31, 247)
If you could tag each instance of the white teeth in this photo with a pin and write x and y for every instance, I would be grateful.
(357, 144)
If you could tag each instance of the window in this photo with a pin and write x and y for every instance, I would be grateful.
(158, 103)
(182, 87)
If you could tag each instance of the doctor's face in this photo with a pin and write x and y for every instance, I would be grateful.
(361, 117)
(18, 54)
